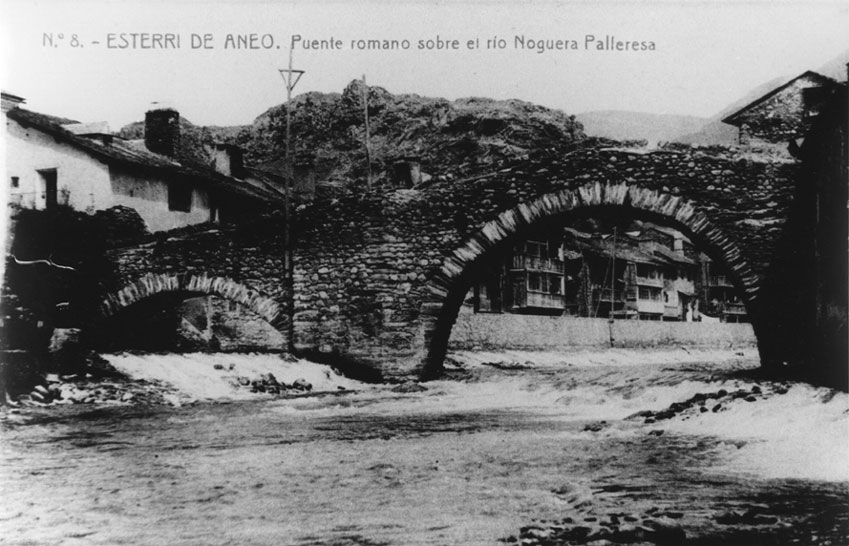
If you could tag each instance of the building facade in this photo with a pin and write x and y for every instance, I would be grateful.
(646, 274)
(53, 161)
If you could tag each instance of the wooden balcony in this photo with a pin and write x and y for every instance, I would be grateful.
(532, 263)
(603, 294)
(721, 280)
(649, 306)
(735, 309)
(543, 300)
(648, 281)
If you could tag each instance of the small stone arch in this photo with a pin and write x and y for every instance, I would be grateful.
(157, 283)
(445, 289)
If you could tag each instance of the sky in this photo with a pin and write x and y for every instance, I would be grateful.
(705, 55)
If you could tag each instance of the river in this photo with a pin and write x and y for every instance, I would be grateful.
(503, 450)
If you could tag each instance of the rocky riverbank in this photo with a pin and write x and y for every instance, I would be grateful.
(177, 379)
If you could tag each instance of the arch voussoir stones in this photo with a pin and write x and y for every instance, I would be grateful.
(591, 194)
(157, 283)
(509, 223)
(615, 194)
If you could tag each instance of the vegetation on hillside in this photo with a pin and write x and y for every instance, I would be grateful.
(450, 138)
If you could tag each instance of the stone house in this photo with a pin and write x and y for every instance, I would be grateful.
(53, 161)
(786, 112)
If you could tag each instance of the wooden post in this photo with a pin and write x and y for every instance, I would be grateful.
(288, 262)
(612, 288)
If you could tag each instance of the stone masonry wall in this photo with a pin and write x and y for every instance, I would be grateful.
(243, 265)
(365, 266)
(781, 117)
(378, 278)
(511, 331)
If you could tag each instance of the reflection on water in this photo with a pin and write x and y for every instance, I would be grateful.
(469, 461)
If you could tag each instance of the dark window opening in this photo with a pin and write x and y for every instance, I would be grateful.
(16, 182)
(179, 197)
(812, 99)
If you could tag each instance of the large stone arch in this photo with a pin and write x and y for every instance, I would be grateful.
(157, 283)
(446, 288)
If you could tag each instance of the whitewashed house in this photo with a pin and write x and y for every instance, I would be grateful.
(52, 161)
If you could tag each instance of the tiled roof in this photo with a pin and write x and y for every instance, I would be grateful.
(626, 249)
(265, 181)
(129, 154)
(673, 256)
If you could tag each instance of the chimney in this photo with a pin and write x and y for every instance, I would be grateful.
(408, 171)
(162, 131)
(228, 160)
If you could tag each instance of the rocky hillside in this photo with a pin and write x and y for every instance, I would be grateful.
(449, 137)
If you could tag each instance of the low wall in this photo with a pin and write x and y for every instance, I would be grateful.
(510, 331)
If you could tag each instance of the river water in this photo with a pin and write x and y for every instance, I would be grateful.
(502, 450)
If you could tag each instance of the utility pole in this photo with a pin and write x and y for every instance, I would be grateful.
(290, 78)
(368, 146)
(612, 288)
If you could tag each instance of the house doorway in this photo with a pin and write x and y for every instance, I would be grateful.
(48, 177)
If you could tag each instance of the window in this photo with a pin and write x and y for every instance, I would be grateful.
(555, 284)
(649, 294)
(536, 249)
(812, 100)
(647, 271)
(549, 283)
(16, 182)
(534, 281)
(179, 197)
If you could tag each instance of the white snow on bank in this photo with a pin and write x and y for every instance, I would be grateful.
(196, 377)
(585, 384)
(803, 434)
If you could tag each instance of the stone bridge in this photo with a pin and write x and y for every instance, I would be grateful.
(378, 278)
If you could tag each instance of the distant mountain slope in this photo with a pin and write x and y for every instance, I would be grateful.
(714, 132)
(624, 125)
(836, 67)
